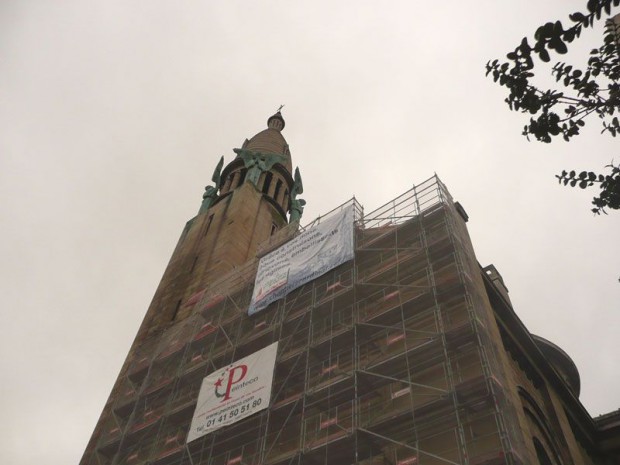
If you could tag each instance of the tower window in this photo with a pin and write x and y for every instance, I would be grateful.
(285, 199)
(227, 184)
(235, 180)
(274, 228)
(277, 191)
(267, 182)
(541, 453)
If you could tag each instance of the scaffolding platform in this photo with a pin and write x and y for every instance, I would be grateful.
(385, 359)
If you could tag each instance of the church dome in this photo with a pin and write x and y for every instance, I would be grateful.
(562, 363)
(271, 140)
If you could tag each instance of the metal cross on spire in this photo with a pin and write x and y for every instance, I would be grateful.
(280, 108)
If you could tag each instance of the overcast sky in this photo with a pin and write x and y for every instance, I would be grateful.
(113, 115)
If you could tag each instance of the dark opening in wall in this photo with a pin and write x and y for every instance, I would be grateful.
(541, 453)
(267, 182)
(277, 191)
(228, 184)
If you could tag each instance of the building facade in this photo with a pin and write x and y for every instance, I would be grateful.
(410, 353)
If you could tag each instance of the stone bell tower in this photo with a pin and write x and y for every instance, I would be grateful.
(252, 198)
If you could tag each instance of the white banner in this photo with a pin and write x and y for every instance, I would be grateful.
(308, 256)
(234, 392)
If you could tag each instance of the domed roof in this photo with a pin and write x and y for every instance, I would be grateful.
(271, 140)
(562, 363)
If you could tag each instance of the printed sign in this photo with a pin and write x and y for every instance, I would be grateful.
(234, 392)
(311, 254)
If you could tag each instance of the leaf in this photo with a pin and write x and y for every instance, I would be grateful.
(583, 184)
(559, 45)
(524, 45)
(540, 33)
(548, 30)
(577, 17)
(592, 4)
(544, 55)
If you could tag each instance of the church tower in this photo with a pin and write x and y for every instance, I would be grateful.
(250, 201)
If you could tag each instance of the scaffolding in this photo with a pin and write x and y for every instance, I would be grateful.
(387, 359)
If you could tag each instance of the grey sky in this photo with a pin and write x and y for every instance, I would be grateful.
(113, 115)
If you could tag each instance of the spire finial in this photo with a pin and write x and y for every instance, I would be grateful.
(280, 108)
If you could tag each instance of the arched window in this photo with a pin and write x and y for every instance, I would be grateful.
(244, 171)
(277, 191)
(227, 183)
(542, 434)
(541, 453)
(285, 200)
(267, 182)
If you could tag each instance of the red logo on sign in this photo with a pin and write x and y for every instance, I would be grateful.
(230, 377)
